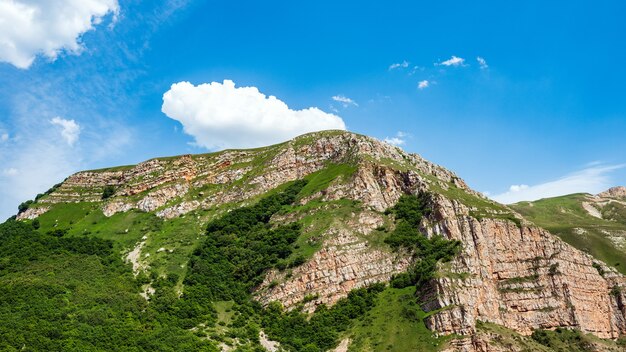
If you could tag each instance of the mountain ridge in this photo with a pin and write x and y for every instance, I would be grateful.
(508, 272)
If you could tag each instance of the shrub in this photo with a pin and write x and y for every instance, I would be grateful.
(24, 206)
(108, 191)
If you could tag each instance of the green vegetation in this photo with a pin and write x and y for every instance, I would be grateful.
(320, 180)
(108, 191)
(27, 204)
(508, 340)
(521, 279)
(565, 217)
(558, 340)
(239, 247)
(24, 206)
(395, 323)
(61, 293)
(408, 213)
(564, 340)
(298, 332)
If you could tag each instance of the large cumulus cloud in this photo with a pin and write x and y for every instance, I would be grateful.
(220, 115)
(32, 27)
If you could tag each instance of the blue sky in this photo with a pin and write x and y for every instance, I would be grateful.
(544, 114)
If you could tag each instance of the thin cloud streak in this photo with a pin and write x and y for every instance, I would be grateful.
(592, 180)
(403, 64)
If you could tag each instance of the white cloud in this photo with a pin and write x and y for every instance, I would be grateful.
(10, 172)
(69, 129)
(398, 140)
(482, 62)
(33, 27)
(219, 115)
(403, 64)
(453, 61)
(4, 137)
(394, 141)
(423, 84)
(517, 188)
(344, 100)
(415, 69)
(593, 180)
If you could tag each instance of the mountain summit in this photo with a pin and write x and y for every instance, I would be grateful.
(614, 192)
(340, 230)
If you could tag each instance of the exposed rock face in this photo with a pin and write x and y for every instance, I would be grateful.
(158, 183)
(592, 210)
(614, 192)
(158, 198)
(520, 277)
(32, 213)
(344, 263)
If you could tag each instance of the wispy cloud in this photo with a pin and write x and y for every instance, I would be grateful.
(344, 100)
(10, 171)
(69, 129)
(453, 61)
(415, 69)
(4, 137)
(398, 140)
(592, 179)
(482, 62)
(423, 84)
(403, 64)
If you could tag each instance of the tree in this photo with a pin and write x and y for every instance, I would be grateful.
(25, 205)
(108, 191)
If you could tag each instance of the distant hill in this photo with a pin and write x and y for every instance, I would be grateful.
(595, 224)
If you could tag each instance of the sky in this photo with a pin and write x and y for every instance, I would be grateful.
(523, 100)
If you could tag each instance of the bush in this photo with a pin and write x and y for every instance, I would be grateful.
(24, 206)
(108, 191)
(401, 280)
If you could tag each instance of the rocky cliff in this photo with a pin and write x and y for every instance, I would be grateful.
(509, 272)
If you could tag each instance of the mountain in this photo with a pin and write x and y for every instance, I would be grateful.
(330, 241)
(595, 224)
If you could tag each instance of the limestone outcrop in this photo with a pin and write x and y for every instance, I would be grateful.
(614, 192)
(521, 277)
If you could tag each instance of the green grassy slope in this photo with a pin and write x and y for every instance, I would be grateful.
(565, 216)
(394, 324)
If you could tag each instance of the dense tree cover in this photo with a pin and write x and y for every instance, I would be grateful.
(61, 293)
(239, 247)
(408, 213)
(21, 245)
(299, 332)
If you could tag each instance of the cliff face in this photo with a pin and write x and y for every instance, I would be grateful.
(521, 277)
(509, 271)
